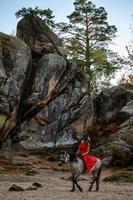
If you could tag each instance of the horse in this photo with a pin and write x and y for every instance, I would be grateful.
(77, 167)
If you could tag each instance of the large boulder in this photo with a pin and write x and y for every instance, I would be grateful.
(14, 59)
(110, 105)
(112, 130)
(51, 97)
(30, 30)
(115, 147)
(62, 92)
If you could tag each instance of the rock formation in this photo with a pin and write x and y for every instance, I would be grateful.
(51, 96)
(45, 100)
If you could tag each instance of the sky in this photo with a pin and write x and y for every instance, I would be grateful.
(119, 14)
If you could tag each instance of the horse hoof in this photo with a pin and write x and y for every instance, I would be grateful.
(72, 190)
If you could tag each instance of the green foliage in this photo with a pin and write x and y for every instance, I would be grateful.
(30, 172)
(122, 156)
(87, 36)
(45, 15)
(120, 176)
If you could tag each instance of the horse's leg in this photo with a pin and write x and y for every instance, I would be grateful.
(98, 179)
(73, 183)
(93, 181)
(78, 184)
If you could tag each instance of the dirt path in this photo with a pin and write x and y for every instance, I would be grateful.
(55, 184)
(57, 187)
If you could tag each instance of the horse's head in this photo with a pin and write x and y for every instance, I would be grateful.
(63, 158)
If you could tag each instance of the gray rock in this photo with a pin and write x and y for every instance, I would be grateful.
(36, 39)
(114, 101)
(106, 161)
(14, 59)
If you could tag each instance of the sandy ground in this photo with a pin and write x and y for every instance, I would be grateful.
(56, 185)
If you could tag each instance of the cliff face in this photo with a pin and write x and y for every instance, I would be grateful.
(47, 94)
(45, 100)
(64, 99)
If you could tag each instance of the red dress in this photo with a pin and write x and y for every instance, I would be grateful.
(88, 160)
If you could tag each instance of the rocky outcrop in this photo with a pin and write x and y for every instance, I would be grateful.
(45, 99)
(110, 105)
(61, 91)
(111, 108)
(54, 123)
(51, 97)
(112, 132)
(14, 59)
(31, 30)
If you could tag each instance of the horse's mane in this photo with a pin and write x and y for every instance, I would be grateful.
(73, 156)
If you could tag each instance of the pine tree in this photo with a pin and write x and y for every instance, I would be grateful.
(88, 35)
(45, 15)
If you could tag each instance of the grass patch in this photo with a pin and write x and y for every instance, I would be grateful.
(30, 172)
(2, 119)
(25, 170)
(1, 171)
(122, 176)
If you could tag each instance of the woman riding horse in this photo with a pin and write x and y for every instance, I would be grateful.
(76, 167)
(83, 151)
